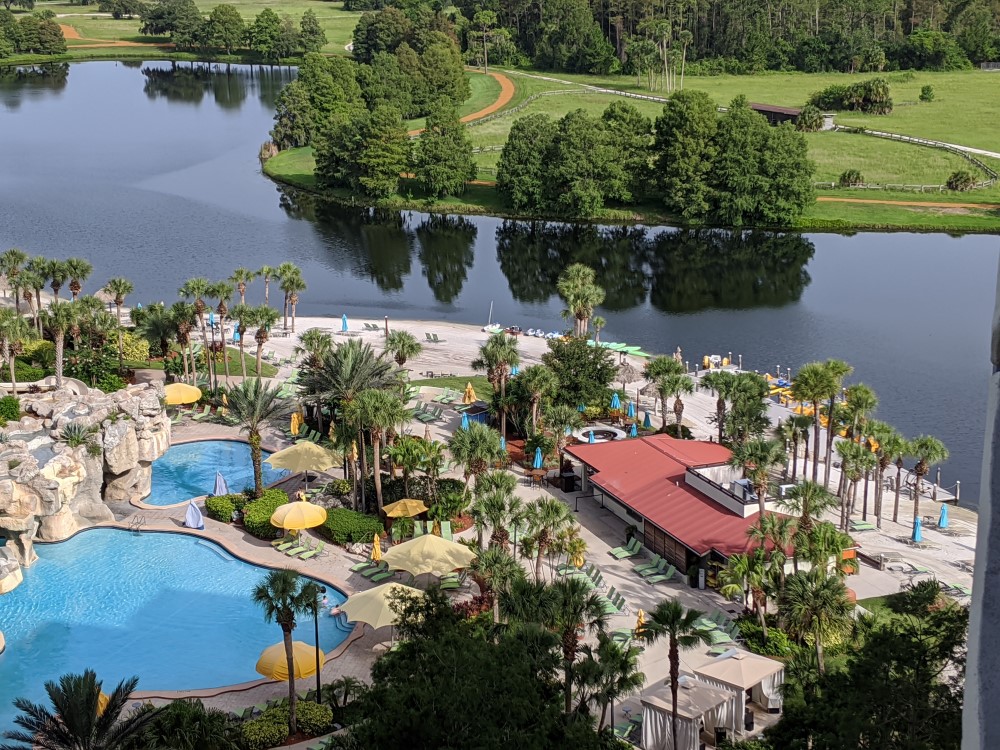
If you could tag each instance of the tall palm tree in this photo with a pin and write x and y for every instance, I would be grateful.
(541, 383)
(402, 345)
(815, 604)
(222, 291)
(599, 324)
(860, 403)
(495, 505)
(377, 411)
(546, 517)
(284, 271)
(673, 385)
(476, 448)
(75, 721)
(495, 570)
(670, 620)
(197, 289)
(723, 383)
(292, 284)
(58, 320)
(836, 370)
(496, 357)
(609, 672)
(574, 610)
(241, 277)
(252, 404)
(812, 384)
(882, 438)
(79, 271)
(14, 331)
(185, 319)
(10, 265)
(578, 288)
(562, 419)
(855, 461)
(897, 449)
(746, 575)
(39, 268)
(283, 595)
(267, 273)
(244, 317)
(119, 288)
(30, 282)
(799, 424)
(263, 317)
(808, 501)
(823, 543)
(774, 533)
(928, 451)
(756, 458)
(58, 274)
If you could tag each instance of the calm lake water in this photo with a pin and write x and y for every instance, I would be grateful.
(150, 171)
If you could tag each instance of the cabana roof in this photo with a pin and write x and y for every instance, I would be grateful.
(740, 669)
(694, 697)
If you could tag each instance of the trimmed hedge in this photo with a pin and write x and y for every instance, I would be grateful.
(344, 526)
(271, 727)
(257, 514)
(263, 733)
(339, 487)
(777, 643)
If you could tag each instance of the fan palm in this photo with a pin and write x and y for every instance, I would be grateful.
(252, 404)
(928, 451)
(243, 315)
(10, 266)
(241, 277)
(799, 425)
(723, 383)
(578, 289)
(815, 604)
(14, 331)
(673, 385)
(496, 357)
(292, 284)
(314, 344)
(746, 575)
(546, 517)
(808, 501)
(812, 383)
(573, 610)
(286, 271)
(402, 345)
(670, 620)
(78, 270)
(222, 291)
(267, 273)
(860, 402)
(884, 441)
(283, 595)
(836, 371)
(58, 320)
(28, 281)
(408, 453)
(158, 327)
(119, 288)
(855, 461)
(58, 275)
(476, 448)
(756, 458)
(495, 570)
(197, 289)
(377, 410)
(897, 448)
(263, 318)
(609, 672)
(184, 318)
(540, 383)
(75, 721)
(823, 543)
(562, 419)
(777, 531)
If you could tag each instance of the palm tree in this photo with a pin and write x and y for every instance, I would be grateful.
(263, 317)
(495, 570)
(928, 451)
(29, 282)
(610, 672)
(78, 270)
(408, 453)
(898, 450)
(815, 604)
(574, 609)
(756, 458)
(495, 505)
(76, 722)
(777, 531)
(184, 319)
(723, 383)
(811, 384)
(39, 268)
(578, 289)
(686, 39)
(860, 402)
(546, 517)
(252, 403)
(14, 331)
(282, 272)
(476, 448)
(243, 315)
(402, 345)
(58, 320)
(882, 438)
(808, 501)
(799, 425)
(855, 461)
(673, 385)
(283, 595)
(241, 277)
(377, 410)
(496, 357)
(58, 275)
(197, 289)
(599, 324)
(562, 419)
(158, 328)
(671, 621)
(292, 284)
(540, 382)
(10, 265)
(222, 291)
(119, 288)
(836, 371)
(746, 575)
(823, 542)
(188, 725)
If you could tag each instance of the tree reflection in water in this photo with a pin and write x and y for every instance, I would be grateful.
(228, 84)
(21, 82)
(446, 254)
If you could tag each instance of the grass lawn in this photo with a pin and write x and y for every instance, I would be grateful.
(847, 216)
(480, 384)
(485, 90)
(878, 602)
(266, 370)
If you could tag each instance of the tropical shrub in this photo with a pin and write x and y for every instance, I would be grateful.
(220, 508)
(26, 373)
(135, 348)
(871, 96)
(927, 93)
(810, 119)
(850, 178)
(263, 732)
(271, 728)
(338, 487)
(109, 383)
(10, 409)
(38, 350)
(777, 642)
(257, 515)
(961, 180)
(344, 526)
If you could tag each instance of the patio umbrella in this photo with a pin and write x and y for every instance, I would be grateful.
(640, 622)
(193, 518)
(537, 463)
(211, 318)
(296, 422)
(515, 371)
(372, 606)
(503, 443)
(631, 410)
(343, 322)
(590, 437)
(297, 515)
(647, 423)
(376, 555)
(469, 397)
(181, 393)
(405, 508)
(943, 520)
(616, 402)
(102, 703)
(628, 374)
(221, 488)
(465, 421)
(428, 554)
(303, 457)
(633, 431)
(918, 535)
(273, 663)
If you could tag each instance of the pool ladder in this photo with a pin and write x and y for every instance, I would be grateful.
(136, 523)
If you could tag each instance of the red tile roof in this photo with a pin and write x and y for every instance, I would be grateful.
(647, 475)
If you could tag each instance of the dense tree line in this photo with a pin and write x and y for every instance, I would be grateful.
(35, 34)
(731, 170)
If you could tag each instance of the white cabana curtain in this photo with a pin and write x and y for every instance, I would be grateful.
(768, 691)
(735, 706)
(656, 730)
(723, 715)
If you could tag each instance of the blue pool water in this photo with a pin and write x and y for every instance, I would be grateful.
(188, 470)
(169, 608)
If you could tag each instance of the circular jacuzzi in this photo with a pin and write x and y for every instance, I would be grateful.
(602, 433)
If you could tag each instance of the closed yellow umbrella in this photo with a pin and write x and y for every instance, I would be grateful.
(374, 605)
(303, 456)
(377, 549)
(405, 508)
(298, 514)
(640, 623)
(428, 554)
(293, 425)
(102, 703)
(469, 396)
(273, 663)
(181, 393)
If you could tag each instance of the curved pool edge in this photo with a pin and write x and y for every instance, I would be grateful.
(233, 550)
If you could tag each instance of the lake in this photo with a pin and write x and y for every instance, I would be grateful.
(150, 171)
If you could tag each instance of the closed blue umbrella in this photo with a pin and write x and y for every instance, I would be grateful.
(616, 403)
(633, 431)
(538, 458)
(515, 370)
(590, 437)
(943, 520)
(631, 409)
(221, 488)
(343, 322)
(581, 408)
(236, 336)
(568, 431)
(917, 531)
(211, 318)
(465, 421)
(647, 422)
(503, 443)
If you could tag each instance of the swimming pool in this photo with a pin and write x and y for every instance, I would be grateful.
(170, 608)
(188, 470)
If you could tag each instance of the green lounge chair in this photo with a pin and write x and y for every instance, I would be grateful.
(655, 570)
(287, 545)
(446, 531)
(317, 550)
(360, 566)
(379, 577)
(283, 540)
(668, 575)
(203, 414)
(862, 526)
(630, 550)
(299, 549)
(624, 729)
(436, 340)
(648, 565)
(450, 396)
(958, 588)
(418, 529)
(379, 568)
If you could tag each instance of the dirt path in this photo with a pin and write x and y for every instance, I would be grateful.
(506, 94)
(70, 33)
(921, 204)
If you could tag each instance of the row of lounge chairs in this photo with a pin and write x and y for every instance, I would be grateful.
(276, 360)
(656, 570)
(426, 413)
(446, 533)
(300, 547)
(432, 338)
(613, 602)
(374, 572)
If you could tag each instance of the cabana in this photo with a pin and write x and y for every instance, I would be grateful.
(743, 671)
(698, 705)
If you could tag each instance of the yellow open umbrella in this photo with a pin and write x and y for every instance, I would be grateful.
(428, 554)
(181, 393)
(298, 514)
(377, 549)
(373, 606)
(469, 396)
(405, 508)
(303, 457)
(273, 663)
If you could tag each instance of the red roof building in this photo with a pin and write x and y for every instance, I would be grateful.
(665, 487)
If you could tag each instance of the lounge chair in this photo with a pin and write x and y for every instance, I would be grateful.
(666, 576)
(446, 531)
(381, 567)
(566, 568)
(624, 729)
(203, 414)
(379, 577)
(317, 550)
(282, 540)
(647, 565)
(305, 546)
(360, 566)
(418, 529)
(436, 340)
(655, 570)
(287, 545)
(862, 526)
(629, 550)
(957, 588)
(452, 581)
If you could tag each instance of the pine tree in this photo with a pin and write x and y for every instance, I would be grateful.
(444, 156)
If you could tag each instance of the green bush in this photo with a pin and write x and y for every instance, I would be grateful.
(810, 119)
(220, 508)
(962, 180)
(257, 514)
(10, 409)
(26, 373)
(37, 350)
(344, 526)
(776, 644)
(850, 178)
(271, 727)
(110, 383)
(264, 732)
(927, 94)
(339, 487)
(871, 96)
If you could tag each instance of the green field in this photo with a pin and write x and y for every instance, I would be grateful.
(233, 355)
(480, 384)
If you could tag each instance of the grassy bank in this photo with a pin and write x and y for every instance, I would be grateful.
(480, 384)
(295, 168)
